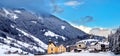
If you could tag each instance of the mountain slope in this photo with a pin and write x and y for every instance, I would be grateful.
(31, 32)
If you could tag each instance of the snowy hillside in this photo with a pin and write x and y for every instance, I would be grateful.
(31, 32)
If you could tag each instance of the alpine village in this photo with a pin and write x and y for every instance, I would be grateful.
(112, 43)
(60, 27)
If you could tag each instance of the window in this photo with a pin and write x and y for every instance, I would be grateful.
(51, 49)
(79, 45)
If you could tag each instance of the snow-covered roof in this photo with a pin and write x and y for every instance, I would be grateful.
(106, 43)
(88, 40)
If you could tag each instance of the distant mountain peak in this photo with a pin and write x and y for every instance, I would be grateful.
(96, 30)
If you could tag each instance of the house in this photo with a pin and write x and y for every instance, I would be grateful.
(71, 48)
(78, 47)
(104, 46)
(61, 49)
(95, 46)
(81, 45)
(53, 48)
(99, 46)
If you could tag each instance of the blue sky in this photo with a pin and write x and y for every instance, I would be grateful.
(92, 13)
(105, 13)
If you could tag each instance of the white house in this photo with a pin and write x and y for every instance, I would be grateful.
(95, 46)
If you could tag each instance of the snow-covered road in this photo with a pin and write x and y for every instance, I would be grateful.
(84, 54)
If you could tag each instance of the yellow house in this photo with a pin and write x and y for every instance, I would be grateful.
(61, 49)
(53, 49)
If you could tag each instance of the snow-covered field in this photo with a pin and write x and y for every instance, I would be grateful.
(84, 54)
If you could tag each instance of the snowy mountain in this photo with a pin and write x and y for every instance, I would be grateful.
(102, 31)
(31, 32)
(97, 30)
(84, 28)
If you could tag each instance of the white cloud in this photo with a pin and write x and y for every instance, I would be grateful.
(74, 3)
